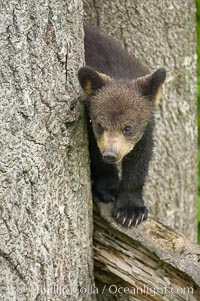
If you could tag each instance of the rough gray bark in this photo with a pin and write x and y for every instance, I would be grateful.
(45, 202)
(149, 262)
(162, 34)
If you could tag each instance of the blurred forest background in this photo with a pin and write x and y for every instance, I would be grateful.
(198, 80)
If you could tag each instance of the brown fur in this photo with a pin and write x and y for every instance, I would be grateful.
(135, 111)
(158, 96)
(115, 141)
(88, 87)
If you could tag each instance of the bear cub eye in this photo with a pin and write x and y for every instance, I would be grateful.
(98, 128)
(127, 130)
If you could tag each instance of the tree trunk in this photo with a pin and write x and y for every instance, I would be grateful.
(45, 205)
(162, 34)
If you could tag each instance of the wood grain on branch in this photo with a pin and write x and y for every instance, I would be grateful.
(152, 261)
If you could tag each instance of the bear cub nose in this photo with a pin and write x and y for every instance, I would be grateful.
(109, 156)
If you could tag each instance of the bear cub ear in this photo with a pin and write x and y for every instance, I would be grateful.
(150, 85)
(91, 80)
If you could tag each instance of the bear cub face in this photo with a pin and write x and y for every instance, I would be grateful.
(120, 109)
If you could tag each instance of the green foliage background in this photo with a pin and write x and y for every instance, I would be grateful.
(198, 116)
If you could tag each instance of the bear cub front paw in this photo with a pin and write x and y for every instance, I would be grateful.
(129, 214)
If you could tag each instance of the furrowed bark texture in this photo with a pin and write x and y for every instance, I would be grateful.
(45, 230)
(149, 262)
(162, 34)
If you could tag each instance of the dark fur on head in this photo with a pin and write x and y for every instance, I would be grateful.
(127, 103)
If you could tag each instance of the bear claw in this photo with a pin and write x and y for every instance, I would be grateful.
(124, 220)
(130, 215)
(142, 217)
(129, 224)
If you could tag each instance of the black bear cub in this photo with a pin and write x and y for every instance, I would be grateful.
(121, 99)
